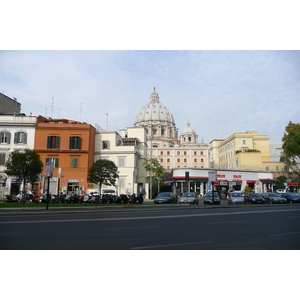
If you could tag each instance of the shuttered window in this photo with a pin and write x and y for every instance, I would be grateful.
(74, 162)
(55, 161)
(20, 138)
(75, 142)
(53, 142)
(5, 137)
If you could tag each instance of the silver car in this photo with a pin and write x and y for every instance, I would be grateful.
(190, 198)
(236, 198)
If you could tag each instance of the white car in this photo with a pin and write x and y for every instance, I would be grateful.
(280, 191)
(190, 198)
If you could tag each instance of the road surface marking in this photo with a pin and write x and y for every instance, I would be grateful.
(168, 245)
(147, 217)
(288, 233)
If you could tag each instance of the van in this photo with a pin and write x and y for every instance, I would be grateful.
(109, 191)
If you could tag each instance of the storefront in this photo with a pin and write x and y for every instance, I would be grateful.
(233, 180)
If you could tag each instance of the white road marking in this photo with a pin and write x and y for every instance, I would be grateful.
(288, 233)
(168, 245)
(147, 217)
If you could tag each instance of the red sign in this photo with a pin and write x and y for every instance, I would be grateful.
(292, 183)
(221, 176)
(237, 176)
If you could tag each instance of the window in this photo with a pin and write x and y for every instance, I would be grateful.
(201, 153)
(53, 142)
(2, 159)
(168, 159)
(75, 142)
(105, 144)
(202, 160)
(55, 161)
(195, 152)
(195, 159)
(20, 138)
(184, 153)
(168, 152)
(267, 168)
(277, 168)
(161, 152)
(185, 160)
(121, 161)
(74, 162)
(161, 160)
(244, 142)
(178, 152)
(178, 159)
(5, 137)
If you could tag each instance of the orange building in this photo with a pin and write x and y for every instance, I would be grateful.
(70, 145)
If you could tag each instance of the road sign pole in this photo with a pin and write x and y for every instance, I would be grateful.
(48, 185)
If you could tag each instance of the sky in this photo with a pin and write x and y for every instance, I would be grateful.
(224, 66)
(219, 92)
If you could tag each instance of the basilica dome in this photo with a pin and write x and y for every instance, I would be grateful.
(155, 111)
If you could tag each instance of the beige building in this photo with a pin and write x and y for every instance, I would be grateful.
(244, 151)
(163, 141)
(128, 150)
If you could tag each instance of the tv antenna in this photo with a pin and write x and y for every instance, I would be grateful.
(106, 121)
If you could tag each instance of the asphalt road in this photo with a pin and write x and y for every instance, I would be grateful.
(273, 227)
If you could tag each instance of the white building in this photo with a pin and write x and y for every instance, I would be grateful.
(163, 137)
(226, 179)
(128, 150)
(17, 132)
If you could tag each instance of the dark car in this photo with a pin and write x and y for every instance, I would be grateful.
(273, 198)
(253, 198)
(291, 197)
(165, 197)
(208, 198)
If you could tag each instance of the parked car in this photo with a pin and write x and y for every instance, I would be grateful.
(280, 191)
(291, 197)
(235, 198)
(208, 198)
(190, 198)
(253, 198)
(165, 197)
(273, 198)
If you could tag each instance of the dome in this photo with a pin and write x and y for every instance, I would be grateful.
(188, 129)
(154, 110)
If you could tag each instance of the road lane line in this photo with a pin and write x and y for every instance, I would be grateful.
(122, 228)
(288, 233)
(168, 245)
(225, 222)
(146, 217)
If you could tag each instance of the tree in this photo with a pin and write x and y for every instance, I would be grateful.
(156, 170)
(103, 171)
(24, 165)
(281, 181)
(291, 147)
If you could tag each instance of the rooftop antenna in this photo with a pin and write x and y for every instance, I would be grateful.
(52, 106)
(106, 121)
(46, 112)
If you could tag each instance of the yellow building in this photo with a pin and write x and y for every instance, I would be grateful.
(244, 151)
